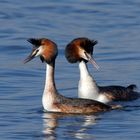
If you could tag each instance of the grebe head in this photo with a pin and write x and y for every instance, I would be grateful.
(45, 48)
(81, 49)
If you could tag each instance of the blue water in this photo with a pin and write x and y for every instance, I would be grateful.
(116, 26)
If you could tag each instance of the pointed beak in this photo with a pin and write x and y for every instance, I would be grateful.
(31, 56)
(91, 59)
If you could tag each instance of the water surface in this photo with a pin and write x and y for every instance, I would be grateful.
(116, 26)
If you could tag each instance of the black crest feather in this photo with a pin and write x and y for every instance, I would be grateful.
(35, 42)
(94, 42)
(88, 45)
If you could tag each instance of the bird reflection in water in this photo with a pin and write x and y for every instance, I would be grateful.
(69, 125)
(50, 123)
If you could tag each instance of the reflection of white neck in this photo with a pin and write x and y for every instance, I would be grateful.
(50, 89)
(50, 123)
(87, 85)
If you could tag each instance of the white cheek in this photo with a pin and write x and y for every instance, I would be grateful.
(40, 51)
(82, 54)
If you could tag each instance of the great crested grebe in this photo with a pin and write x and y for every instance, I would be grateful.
(81, 50)
(52, 101)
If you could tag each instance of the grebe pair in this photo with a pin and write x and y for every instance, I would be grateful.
(81, 50)
(52, 101)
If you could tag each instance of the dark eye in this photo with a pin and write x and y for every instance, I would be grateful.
(86, 55)
(36, 52)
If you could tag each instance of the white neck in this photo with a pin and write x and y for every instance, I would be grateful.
(50, 90)
(87, 85)
(83, 70)
(49, 82)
